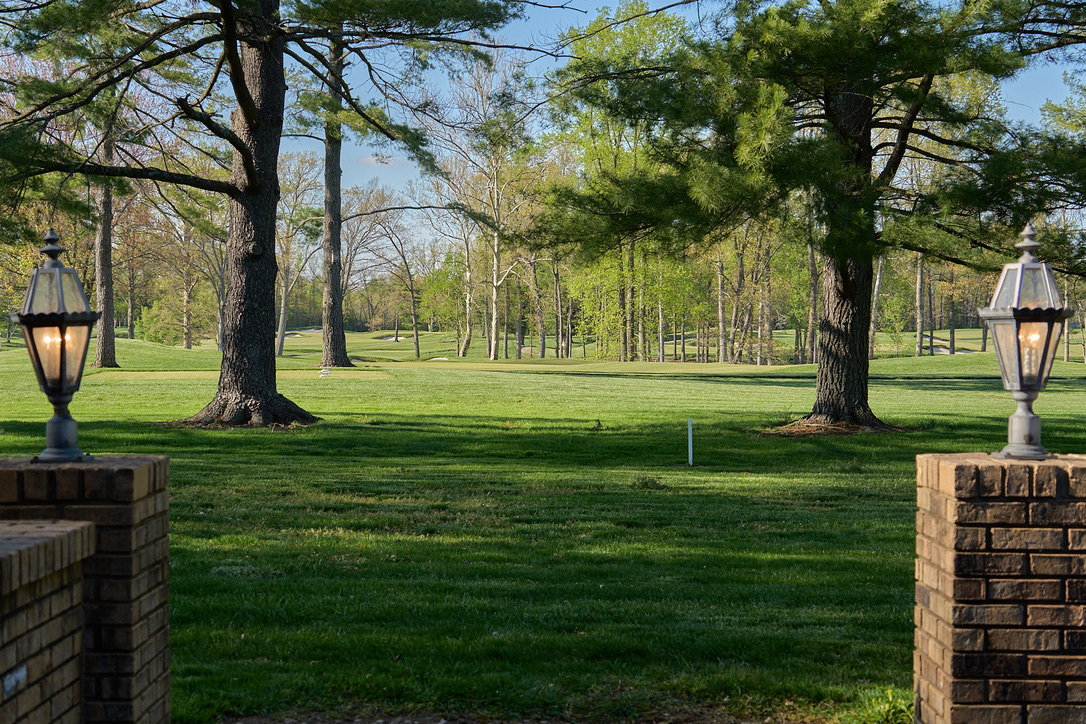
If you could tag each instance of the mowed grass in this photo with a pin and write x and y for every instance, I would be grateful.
(527, 539)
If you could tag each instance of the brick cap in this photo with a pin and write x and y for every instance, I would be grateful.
(33, 549)
(988, 459)
(100, 462)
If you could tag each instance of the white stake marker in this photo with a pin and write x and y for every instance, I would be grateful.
(690, 440)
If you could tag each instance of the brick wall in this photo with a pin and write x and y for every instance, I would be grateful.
(1000, 591)
(126, 581)
(41, 637)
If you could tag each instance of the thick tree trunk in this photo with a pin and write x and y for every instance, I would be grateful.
(841, 385)
(247, 393)
(841, 388)
(333, 336)
(105, 352)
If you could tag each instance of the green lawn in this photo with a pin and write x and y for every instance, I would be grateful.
(526, 539)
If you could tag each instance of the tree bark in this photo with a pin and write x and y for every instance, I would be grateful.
(105, 351)
(841, 383)
(333, 335)
(247, 393)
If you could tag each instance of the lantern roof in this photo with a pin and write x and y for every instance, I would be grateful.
(1027, 283)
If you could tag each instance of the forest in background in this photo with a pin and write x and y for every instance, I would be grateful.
(705, 184)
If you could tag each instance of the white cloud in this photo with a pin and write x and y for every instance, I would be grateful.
(380, 159)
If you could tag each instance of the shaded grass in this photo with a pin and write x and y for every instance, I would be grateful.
(479, 537)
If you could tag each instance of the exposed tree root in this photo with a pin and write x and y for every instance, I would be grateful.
(244, 410)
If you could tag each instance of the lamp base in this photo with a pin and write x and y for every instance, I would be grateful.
(1022, 451)
(61, 436)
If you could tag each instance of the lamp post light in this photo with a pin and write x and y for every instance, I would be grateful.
(56, 321)
(1026, 318)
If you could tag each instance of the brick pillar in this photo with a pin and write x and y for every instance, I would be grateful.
(1000, 590)
(125, 583)
(41, 610)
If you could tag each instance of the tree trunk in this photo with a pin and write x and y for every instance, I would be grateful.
(414, 318)
(720, 322)
(841, 384)
(919, 304)
(505, 326)
(812, 308)
(841, 387)
(247, 392)
(131, 273)
(520, 322)
(931, 317)
(105, 353)
(186, 314)
(952, 303)
(684, 338)
(660, 328)
(875, 309)
(537, 303)
(333, 335)
(559, 343)
(629, 282)
(281, 331)
(622, 330)
(462, 350)
(495, 282)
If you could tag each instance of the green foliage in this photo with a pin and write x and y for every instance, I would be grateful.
(889, 708)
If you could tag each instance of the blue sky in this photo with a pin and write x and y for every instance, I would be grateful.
(1023, 96)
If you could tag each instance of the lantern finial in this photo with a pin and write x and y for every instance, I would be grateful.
(1029, 244)
(52, 248)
